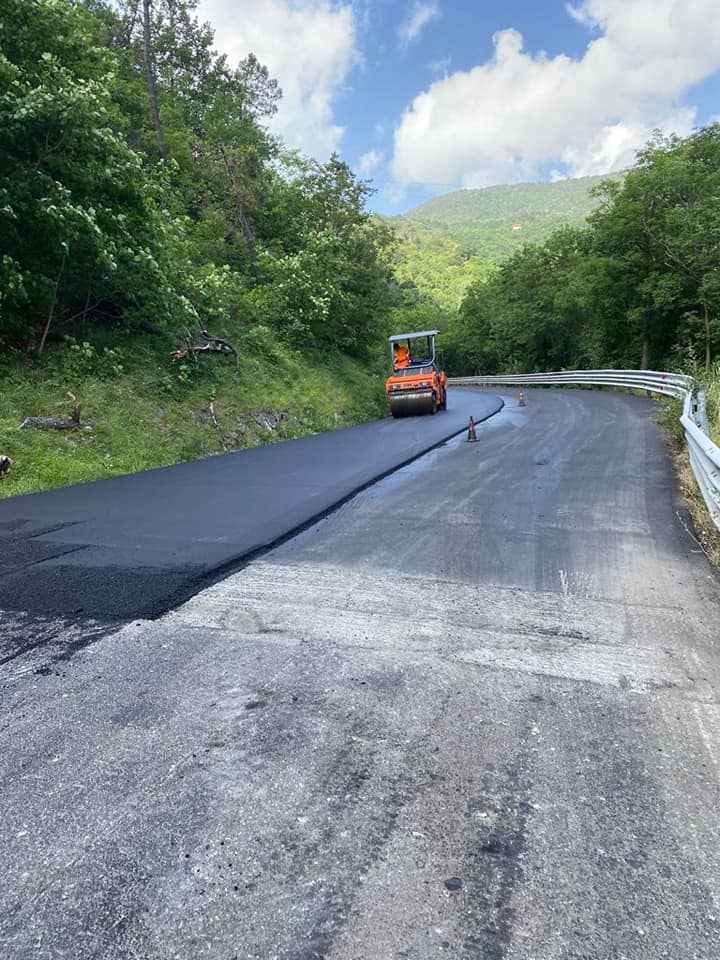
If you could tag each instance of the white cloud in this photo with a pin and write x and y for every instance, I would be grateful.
(417, 17)
(580, 14)
(307, 45)
(369, 162)
(511, 117)
(615, 146)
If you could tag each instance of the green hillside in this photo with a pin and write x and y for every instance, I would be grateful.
(450, 241)
(144, 203)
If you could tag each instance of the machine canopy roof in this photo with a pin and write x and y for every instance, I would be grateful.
(412, 336)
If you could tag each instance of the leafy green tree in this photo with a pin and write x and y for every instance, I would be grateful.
(187, 211)
(629, 255)
(84, 232)
(472, 343)
(529, 314)
(326, 268)
(686, 175)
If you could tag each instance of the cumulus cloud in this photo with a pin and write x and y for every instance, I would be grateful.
(417, 17)
(509, 118)
(309, 46)
(369, 162)
(615, 146)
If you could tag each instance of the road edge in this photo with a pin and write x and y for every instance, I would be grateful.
(227, 569)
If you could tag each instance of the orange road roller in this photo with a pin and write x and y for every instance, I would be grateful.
(418, 383)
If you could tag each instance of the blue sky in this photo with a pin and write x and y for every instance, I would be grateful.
(428, 96)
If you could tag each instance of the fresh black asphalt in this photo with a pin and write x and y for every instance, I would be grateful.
(135, 546)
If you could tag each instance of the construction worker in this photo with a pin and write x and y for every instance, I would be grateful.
(401, 356)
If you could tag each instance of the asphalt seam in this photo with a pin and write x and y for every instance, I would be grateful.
(211, 577)
(215, 575)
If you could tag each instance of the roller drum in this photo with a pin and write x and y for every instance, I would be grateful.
(411, 403)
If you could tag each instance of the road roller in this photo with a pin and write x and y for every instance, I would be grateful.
(418, 383)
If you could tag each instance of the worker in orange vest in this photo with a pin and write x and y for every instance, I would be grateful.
(401, 356)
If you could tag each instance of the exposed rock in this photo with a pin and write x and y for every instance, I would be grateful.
(269, 419)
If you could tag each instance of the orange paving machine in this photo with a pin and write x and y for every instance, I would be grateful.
(417, 384)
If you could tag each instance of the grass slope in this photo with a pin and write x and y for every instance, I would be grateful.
(450, 241)
(147, 411)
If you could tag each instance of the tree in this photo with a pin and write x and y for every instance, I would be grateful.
(261, 93)
(84, 232)
(149, 59)
(329, 261)
(231, 227)
(687, 176)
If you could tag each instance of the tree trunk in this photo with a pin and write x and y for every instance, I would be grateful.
(241, 218)
(150, 77)
(708, 342)
(46, 329)
(645, 359)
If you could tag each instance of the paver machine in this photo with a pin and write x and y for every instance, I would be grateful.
(417, 383)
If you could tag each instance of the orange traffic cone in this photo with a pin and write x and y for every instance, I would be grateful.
(471, 431)
(521, 399)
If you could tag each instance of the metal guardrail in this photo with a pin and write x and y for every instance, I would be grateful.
(704, 454)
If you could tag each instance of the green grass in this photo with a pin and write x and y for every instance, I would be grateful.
(146, 411)
(712, 387)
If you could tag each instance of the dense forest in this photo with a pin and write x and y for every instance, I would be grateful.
(140, 187)
(638, 286)
(451, 241)
(174, 282)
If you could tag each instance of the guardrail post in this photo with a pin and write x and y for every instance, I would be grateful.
(700, 412)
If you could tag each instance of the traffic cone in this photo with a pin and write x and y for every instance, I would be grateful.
(471, 431)
(521, 399)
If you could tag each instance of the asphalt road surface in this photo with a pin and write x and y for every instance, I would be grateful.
(471, 714)
(136, 545)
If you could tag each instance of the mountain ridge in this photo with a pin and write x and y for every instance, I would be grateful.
(518, 198)
(452, 240)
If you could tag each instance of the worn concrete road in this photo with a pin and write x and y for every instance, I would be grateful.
(473, 714)
(135, 546)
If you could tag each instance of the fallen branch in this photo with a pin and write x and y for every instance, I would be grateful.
(211, 344)
(209, 414)
(5, 464)
(57, 423)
